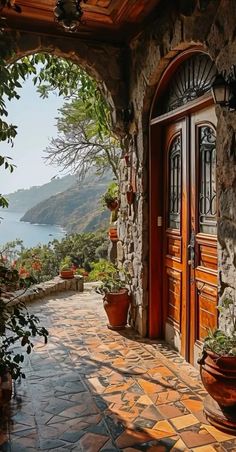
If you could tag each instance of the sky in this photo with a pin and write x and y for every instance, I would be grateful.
(35, 118)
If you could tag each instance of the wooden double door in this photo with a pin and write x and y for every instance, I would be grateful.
(189, 229)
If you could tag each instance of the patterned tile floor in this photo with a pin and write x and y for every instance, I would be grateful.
(92, 389)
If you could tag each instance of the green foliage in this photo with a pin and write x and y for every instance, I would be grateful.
(39, 261)
(80, 247)
(111, 194)
(112, 278)
(11, 250)
(66, 263)
(100, 270)
(83, 142)
(43, 262)
(220, 342)
(17, 325)
(5, 162)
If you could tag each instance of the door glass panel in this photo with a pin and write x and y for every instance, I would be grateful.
(207, 183)
(174, 183)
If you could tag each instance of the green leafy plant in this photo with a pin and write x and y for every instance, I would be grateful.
(223, 342)
(110, 197)
(17, 326)
(66, 263)
(113, 279)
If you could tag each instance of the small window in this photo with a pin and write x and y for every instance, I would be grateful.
(174, 183)
(192, 79)
(207, 183)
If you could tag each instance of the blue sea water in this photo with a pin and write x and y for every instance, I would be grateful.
(12, 228)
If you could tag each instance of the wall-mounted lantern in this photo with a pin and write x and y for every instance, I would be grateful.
(69, 13)
(224, 90)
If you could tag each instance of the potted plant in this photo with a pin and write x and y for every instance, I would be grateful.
(116, 296)
(112, 232)
(110, 197)
(218, 368)
(17, 326)
(66, 270)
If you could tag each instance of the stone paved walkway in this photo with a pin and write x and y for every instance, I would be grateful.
(91, 389)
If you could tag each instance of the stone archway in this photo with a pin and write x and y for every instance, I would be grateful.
(93, 59)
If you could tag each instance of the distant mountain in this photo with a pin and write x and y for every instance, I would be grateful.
(77, 209)
(24, 199)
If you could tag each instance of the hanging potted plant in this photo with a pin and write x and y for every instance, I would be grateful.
(116, 296)
(110, 197)
(218, 369)
(130, 195)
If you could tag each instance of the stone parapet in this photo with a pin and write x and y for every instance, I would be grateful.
(55, 285)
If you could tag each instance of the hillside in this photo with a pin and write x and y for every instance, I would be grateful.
(24, 199)
(76, 209)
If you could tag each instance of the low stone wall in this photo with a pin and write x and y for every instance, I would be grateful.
(46, 288)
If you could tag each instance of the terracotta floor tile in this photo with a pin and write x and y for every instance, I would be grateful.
(151, 412)
(179, 446)
(130, 438)
(91, 442)
(193, 405)
(164, 426)
(164, 371)
(218, 435)
(194, 439)
(182, 422)
(167, 397)
(170, 410)
(144, 400)
(149, 387)
(204, 449)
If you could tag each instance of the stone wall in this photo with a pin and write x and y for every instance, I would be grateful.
(214, 29)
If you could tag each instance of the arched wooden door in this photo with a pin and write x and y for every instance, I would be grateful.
(186, 245)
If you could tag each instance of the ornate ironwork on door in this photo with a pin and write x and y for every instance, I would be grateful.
(174, 183)
(207, 182)
(191, 80)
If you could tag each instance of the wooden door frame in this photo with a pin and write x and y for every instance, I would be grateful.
(156, 312)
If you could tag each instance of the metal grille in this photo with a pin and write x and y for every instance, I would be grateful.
(207, 185)
(174, 183)
(191, 80)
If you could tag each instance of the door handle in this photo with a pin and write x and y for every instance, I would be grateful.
(191, 250)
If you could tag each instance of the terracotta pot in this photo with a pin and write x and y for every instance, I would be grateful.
(66, 274)
(218, 375)
(113, 205)
(5, 387)
(113, 234)
(130, 196)
(116, 306)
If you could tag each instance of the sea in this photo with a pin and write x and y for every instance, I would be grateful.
(11, 228)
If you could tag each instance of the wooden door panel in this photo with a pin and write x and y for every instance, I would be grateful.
(174, 247)
(203, 311)
(206, 309)
(175, 235)
(206, 254)
(174, 296)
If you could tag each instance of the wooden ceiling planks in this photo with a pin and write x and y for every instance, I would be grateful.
(109, 20)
